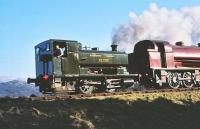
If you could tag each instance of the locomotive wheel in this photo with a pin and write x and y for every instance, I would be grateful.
(85, 89)
(188, 83)
(173, 80)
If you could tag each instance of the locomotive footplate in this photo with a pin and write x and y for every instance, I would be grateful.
(100, 75)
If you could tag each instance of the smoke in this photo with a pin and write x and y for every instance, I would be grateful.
(159, 24)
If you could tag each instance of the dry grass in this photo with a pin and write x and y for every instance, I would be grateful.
(180, 110)
(176, 97)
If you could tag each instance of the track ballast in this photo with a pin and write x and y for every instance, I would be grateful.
(65, 96)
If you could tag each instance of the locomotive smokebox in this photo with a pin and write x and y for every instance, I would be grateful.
(114, 47)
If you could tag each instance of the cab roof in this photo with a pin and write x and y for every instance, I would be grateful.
(50, 41)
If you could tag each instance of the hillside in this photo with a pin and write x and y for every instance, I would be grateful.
(137, 111)
(14, 87)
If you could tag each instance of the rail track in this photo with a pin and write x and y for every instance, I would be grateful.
(64, 96)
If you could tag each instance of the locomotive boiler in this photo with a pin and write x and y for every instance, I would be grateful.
(78, 69)
(185, 56)
(159, 62)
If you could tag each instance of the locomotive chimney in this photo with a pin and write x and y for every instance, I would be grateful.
(180, 43)
(114, 47)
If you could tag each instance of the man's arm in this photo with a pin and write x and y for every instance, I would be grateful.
(61, 52)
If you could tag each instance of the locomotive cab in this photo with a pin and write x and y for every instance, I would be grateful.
(47, 63)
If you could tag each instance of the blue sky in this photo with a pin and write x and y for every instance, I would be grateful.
(24, 23)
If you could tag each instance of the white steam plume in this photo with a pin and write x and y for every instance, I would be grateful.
(160, 24)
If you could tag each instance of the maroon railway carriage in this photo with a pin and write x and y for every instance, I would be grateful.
(159, 62)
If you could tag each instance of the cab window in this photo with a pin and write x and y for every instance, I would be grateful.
(59, 49)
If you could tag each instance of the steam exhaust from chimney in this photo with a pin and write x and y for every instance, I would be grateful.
(159, 24)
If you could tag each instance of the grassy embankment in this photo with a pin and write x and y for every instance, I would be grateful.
(137, 111)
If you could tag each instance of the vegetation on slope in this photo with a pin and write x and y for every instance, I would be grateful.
(137, 111)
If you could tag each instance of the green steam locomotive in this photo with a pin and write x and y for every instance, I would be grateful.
(64, 65)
